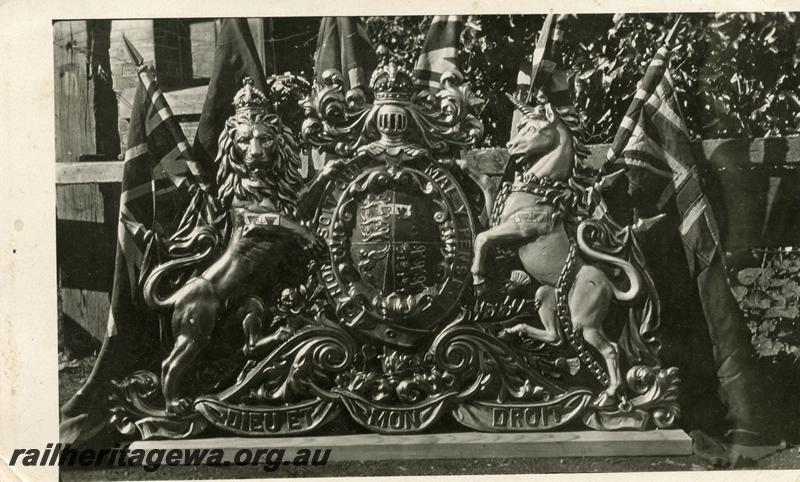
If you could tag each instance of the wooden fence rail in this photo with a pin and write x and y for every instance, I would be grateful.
(775, 155)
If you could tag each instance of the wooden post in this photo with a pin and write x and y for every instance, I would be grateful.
(86, 130)
(75, 120)
(105, 99)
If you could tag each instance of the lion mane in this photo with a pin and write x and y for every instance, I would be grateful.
(234, 180)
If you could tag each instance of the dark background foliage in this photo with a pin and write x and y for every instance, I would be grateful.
(737, 74)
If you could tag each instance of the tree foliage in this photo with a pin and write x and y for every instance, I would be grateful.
(769, 296)
(736, 73)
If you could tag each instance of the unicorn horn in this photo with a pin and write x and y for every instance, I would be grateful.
(521, 106)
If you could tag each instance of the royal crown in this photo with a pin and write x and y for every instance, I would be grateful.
(249, 97)
(391, 83)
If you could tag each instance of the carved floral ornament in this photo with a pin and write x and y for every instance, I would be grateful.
(399, 117)
(389, 327)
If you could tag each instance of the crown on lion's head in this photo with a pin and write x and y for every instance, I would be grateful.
(257, 157)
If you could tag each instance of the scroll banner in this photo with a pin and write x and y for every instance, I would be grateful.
(523, 417)
(395, 419)
(294, 419)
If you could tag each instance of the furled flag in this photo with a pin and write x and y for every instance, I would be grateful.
(653, 143)
(343, 44)
(158, 171)
(235, 58)
(440, 50)
(539, 69)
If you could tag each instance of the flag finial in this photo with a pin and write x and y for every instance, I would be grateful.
(136, 57)
(539, 52)
(673, 30)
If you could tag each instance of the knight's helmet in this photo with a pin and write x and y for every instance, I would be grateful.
(392, 86)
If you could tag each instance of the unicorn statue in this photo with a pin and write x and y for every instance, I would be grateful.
(567, 242)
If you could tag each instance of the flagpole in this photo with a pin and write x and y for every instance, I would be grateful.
(539, 52)
(612, 155)
(667, 44)
(673, 31)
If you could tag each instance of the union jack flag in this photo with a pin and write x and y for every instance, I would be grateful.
(655, 145)
(158, 171)
(440, 50)
(343, 44)
(663, 176)
(158, 174)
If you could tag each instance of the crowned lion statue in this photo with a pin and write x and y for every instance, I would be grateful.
(236, 244)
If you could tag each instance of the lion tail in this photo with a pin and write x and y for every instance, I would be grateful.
(203, 241)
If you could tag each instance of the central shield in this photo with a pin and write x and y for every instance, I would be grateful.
(396, 243)
(401, 247)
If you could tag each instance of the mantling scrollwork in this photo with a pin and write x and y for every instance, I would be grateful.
(389, 323)
(399, 119)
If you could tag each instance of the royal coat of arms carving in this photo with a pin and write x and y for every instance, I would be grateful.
(397, 317)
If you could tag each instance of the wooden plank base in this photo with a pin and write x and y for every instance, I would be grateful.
(463, 445)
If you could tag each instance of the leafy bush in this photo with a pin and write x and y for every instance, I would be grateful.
(737, 74)
(769, 296)
(287, 90)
